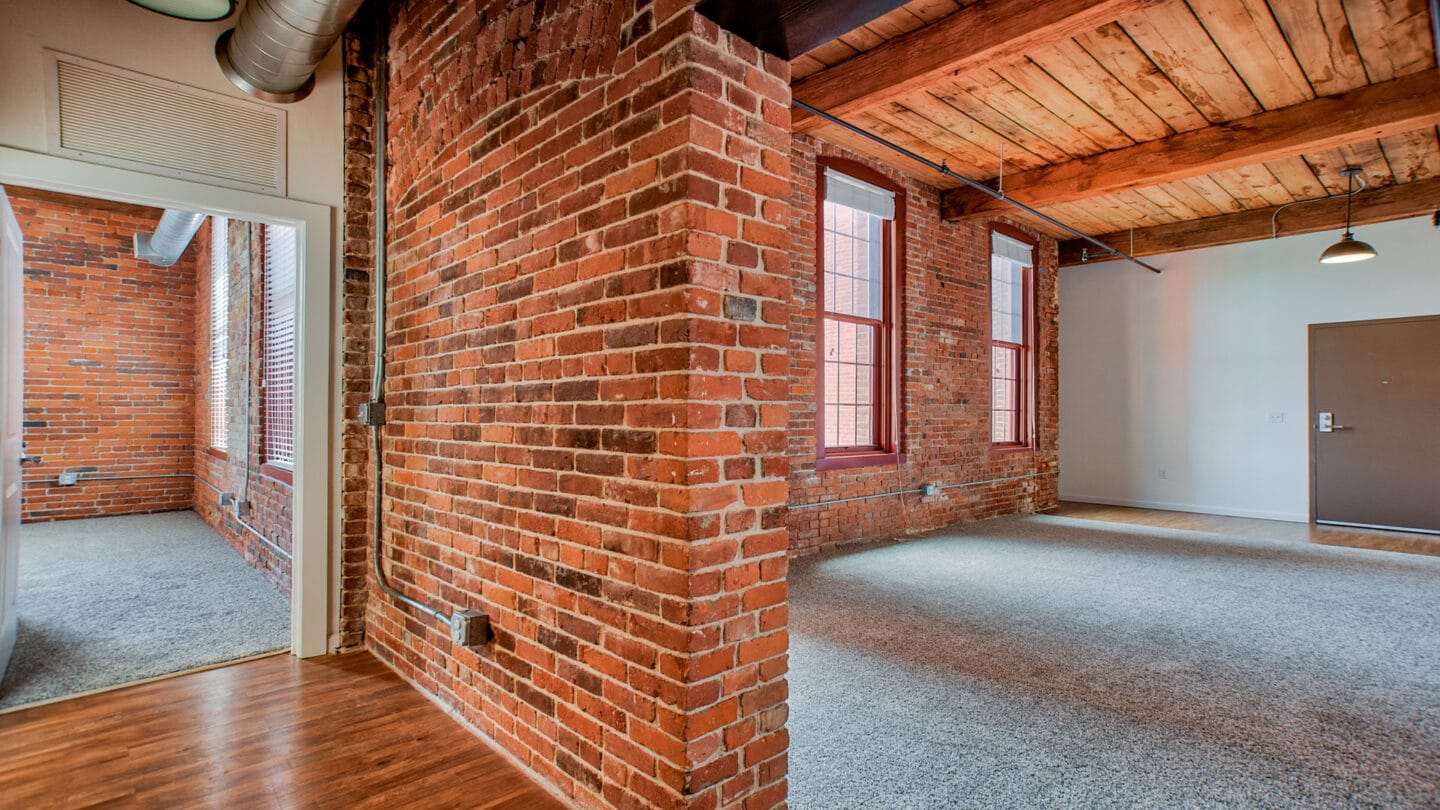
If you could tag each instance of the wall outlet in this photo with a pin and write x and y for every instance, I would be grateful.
(227, 498)
(1162, 474)
(930, 490)
(69, 479)
(1276, 418)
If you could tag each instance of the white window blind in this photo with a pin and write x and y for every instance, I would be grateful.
(279, 344)
(219, 332)
(1014, 249)
(842, 189)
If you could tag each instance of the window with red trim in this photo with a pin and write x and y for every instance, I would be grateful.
(1012, 266)
(860, 229)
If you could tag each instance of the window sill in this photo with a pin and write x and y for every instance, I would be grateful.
(281, 474)
(1010, 449)
(215, 452)
(854, 460)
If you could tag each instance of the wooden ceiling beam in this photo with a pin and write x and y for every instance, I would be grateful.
(1370, 206)
(990, 32)
(789, 28)
(1364, 114)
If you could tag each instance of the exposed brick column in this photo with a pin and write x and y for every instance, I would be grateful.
(356, 328)
(588, 387)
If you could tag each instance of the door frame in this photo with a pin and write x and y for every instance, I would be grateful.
(315, 603)
(1310, 385)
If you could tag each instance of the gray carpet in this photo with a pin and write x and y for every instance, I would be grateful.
(112, 600)
(1056, 662)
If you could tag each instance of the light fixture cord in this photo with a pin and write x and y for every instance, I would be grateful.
(1276, 213)
(1349, 198)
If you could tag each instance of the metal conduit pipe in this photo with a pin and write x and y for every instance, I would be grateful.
(172, 235)
(980, 187)
(272, 52)
(375, 409)
(922, 490)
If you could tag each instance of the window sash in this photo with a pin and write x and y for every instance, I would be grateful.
(1011, 372)
(852, 394)
(858, 227)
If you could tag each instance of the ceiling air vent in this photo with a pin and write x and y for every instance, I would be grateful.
(102, 114)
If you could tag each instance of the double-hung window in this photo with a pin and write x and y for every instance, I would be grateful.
(219, 382)
(860, 231)
(279, 345)
(1012, 266)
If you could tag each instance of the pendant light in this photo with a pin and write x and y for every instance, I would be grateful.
(1348, 249)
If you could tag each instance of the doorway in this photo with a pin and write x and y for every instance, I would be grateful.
(1375, 405)
(315, 602)
(158, 428)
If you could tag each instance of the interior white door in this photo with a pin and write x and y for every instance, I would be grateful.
(12, 337)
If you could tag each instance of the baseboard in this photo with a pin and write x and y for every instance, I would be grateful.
(1288, 517)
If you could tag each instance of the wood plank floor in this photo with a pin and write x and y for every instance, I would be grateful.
(339, 731)
(1251, 527)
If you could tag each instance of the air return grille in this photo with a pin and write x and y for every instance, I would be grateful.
(103, 114)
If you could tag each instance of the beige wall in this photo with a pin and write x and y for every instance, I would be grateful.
(124, 35)
(1202, 371)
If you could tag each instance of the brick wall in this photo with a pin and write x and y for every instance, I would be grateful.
(946, 384)
(587, 381)
(108, 360)
(269, 491)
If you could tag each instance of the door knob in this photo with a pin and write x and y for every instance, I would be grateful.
(1325, 422)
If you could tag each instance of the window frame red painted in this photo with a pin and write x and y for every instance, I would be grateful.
(1026, 365)
(889, 370)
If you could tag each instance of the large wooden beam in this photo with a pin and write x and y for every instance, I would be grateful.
(788, 28)
(1366, 113)
(990, 32)
(1370, 206)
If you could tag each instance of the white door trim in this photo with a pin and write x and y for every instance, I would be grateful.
(312, 602)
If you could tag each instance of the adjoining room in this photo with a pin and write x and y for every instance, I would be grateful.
(158, 380)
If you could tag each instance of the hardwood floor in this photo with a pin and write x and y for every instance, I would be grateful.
(339, 731)
(1252, 527)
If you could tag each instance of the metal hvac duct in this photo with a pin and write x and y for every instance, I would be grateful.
(171, 237)
(273, 50)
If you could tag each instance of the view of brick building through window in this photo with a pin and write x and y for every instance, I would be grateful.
(858, 280)
(1012, 263)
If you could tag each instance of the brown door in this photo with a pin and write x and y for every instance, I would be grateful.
(1375, 423)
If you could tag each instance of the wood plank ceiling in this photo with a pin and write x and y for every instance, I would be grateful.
(1163, 113)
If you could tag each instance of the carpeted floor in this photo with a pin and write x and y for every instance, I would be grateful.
(1053, 662)
(112, 600)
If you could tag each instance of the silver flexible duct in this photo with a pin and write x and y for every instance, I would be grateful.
(172, 235)
(274, 49)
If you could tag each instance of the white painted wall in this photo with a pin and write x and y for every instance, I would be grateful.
(125, 35)
(1181, 372)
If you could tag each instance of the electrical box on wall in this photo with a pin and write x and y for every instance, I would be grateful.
(470, 628)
